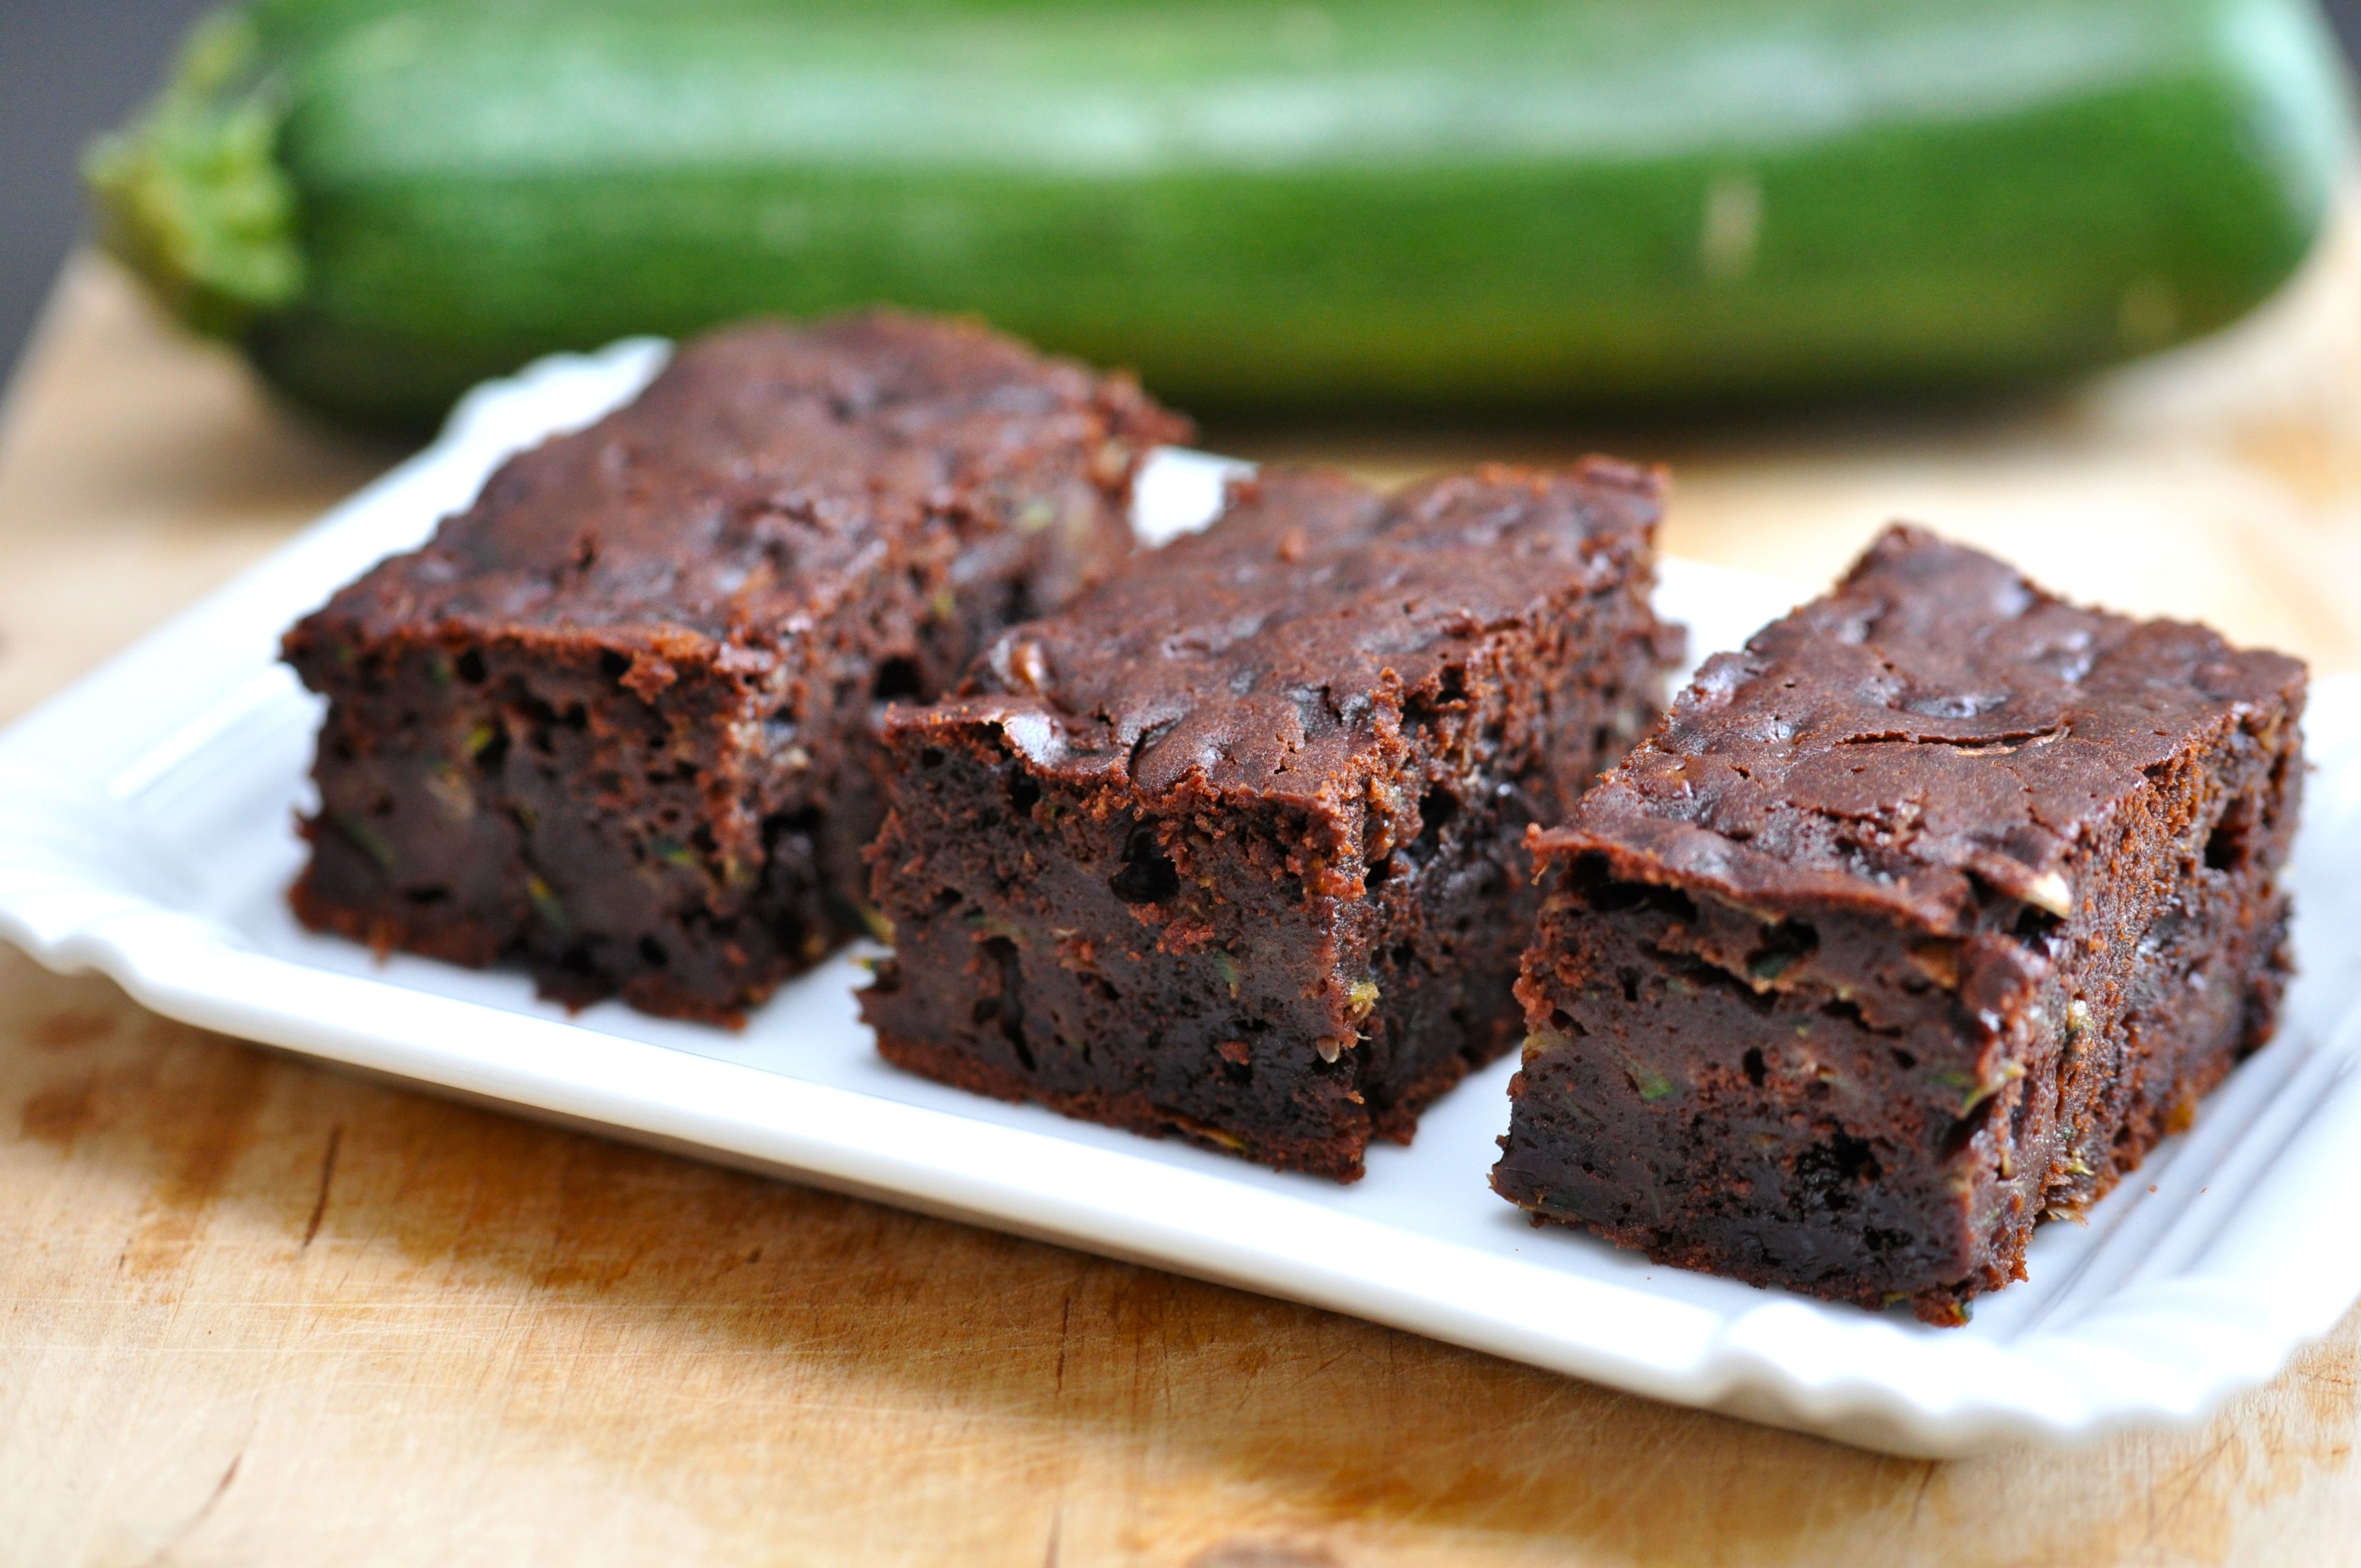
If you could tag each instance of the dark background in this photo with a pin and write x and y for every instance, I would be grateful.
(71, 67)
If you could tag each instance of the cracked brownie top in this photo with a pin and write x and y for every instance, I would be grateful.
(1287, 652)
(1934, 723)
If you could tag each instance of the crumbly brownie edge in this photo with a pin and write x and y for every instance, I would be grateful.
(1337, 1158)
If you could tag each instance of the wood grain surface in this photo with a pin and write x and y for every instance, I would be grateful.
(254, 1311)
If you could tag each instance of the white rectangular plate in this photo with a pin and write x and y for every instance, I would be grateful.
(145, 831)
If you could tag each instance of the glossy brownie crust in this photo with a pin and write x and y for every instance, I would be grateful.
(613, 722)
(1232, 848)
(1923, 917)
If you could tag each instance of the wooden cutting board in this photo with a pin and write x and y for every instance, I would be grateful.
(255, 1312)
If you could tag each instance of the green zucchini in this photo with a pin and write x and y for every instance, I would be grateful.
(1394, 203)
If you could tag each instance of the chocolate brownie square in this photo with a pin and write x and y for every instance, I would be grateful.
(1921, 918)
(1232, 848)
(613, 722)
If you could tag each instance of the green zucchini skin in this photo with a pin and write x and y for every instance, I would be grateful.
(1494, 203)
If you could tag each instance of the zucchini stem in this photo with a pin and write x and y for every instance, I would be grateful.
(190, 195)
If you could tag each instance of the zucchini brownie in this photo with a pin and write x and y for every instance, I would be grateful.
(613, 722)
(1923, 916)
(1232, 846)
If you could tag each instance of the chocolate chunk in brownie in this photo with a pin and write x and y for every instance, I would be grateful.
(613, 722)
(1232, 848)
(1923, 916)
